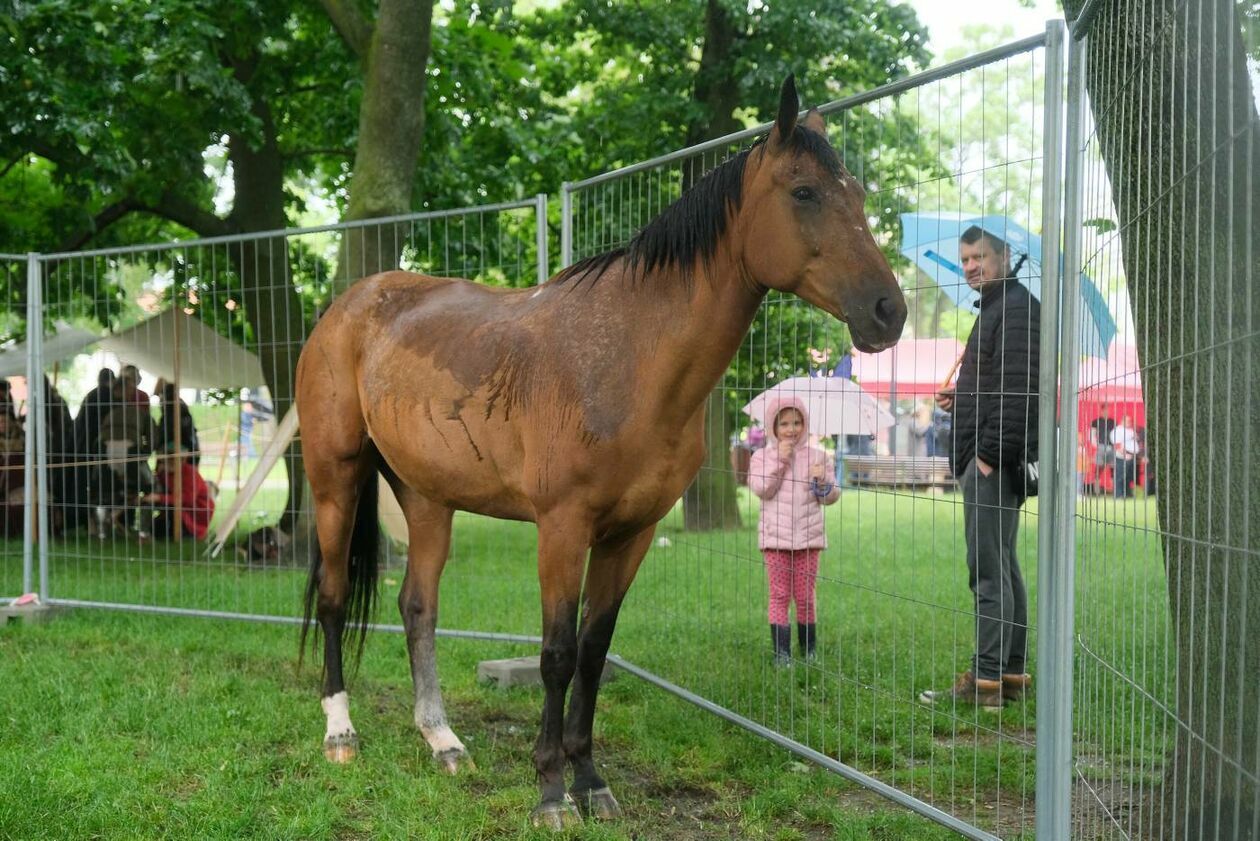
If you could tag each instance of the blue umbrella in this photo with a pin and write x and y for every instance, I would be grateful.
(930, 241)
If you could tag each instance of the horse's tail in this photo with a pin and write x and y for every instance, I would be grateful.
(364, 568)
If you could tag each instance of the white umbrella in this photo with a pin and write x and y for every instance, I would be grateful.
(836, 406)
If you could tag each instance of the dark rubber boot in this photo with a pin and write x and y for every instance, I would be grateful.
(781, 636)
(806, 636)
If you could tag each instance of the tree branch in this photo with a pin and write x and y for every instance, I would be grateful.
(350, 24)
(170, 206)
(11, 164)
(181, 211)
(100, 222)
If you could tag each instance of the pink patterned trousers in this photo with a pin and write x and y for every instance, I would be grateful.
(793, 574)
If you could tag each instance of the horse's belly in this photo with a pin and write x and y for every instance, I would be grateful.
(651, 495)
(446, 461)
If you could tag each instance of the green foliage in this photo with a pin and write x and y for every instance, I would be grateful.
(116, 103)
(628, 78)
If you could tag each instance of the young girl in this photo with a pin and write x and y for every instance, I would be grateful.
(794, 482)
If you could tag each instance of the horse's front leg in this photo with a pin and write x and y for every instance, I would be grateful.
(562, 546)
(429, 542)
(612, 569)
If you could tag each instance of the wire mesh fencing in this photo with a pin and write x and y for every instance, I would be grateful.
(13, 454)
(177, 482)
(1139, 588)
(1163, 122)
(893, 616)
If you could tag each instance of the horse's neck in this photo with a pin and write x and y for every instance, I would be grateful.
(693, 338)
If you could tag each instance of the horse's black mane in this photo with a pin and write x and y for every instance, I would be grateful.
(690, 228)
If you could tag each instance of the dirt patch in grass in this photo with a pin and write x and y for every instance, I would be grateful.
(1108, 809)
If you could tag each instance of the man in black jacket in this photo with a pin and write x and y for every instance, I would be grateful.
(994, 405)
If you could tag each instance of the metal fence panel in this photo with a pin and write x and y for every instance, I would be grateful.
(1145, 717)
(226, 318)
(1166, 742)
(15, 576)
(894, 613)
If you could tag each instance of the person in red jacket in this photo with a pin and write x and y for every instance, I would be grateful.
(196, 503)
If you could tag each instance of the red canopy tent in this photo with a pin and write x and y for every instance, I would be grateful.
(1115, 382)
(911, 368)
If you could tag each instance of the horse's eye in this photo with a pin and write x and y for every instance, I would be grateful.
(805, 194)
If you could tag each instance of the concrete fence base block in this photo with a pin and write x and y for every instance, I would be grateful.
(523, 671)
(27, 613)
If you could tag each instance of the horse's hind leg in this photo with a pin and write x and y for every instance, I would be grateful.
(341, 463)
(334, 524)
(429, 542)
(612, 569)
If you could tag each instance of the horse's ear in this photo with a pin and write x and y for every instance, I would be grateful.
(814, 122)
(789, 106)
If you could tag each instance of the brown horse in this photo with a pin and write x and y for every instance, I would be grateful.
(578, 404)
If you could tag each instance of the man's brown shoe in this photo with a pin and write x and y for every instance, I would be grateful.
(968, 689)
(1016, 687)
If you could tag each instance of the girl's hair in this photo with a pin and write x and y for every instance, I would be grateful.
(779, 413)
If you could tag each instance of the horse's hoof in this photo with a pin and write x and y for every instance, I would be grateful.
(598, 803)
(453, 760)
(557, 815)
(341, 749)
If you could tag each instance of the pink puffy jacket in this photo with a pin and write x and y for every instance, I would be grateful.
(791, 515)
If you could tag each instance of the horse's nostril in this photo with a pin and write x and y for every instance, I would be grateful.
(885, 312)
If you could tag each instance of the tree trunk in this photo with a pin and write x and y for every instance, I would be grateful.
(271, 304)
(391, 128)
(710, 501)
(1178, 131)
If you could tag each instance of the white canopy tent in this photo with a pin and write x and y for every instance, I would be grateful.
(64, 343)
(157, 345)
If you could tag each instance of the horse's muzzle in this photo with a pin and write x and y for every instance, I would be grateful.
(876, 322)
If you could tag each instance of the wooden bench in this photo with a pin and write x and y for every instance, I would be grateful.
(898, 471)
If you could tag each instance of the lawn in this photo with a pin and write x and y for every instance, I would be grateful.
(136, 726)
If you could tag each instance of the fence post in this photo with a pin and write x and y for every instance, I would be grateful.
(35, 531)
(566, 225)
(541, 238)
(1052, 796)
(28, 475)
(1056, 549)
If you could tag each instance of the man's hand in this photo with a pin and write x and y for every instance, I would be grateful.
(983, 467)
(945, 399)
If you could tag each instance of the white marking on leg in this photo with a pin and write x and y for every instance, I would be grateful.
(337, 708)
(441, 738)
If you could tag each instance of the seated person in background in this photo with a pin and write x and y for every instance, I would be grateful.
(96, 405)
(6, 398)
(173, 406)
(12, 439)
(126, 436)
(12, 476)
(132, 373)
(195, 504)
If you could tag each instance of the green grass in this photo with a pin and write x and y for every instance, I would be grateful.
(200, 728)
(122, 726)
